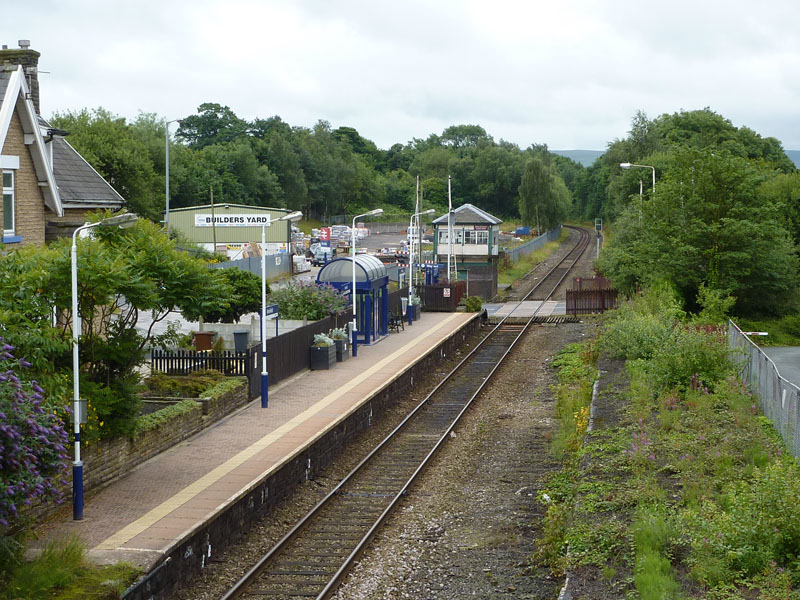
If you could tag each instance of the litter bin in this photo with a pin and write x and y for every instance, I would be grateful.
(240, 339)
(203, 340)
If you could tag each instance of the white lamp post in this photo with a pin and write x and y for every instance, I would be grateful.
(166, 141)
(430, 211)
(122, 221)
(627, 165)
(377, 211)
(264, 373)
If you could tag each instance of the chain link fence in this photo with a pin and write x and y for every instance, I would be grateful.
(514, 254)
(779, 399)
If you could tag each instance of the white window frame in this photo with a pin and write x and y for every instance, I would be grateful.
(458, 235)
(477, 237)
(9, 191)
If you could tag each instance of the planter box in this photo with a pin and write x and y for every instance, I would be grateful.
(322, 357)
(342, 350)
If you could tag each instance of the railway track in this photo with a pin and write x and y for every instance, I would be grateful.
(545, 287)
(312, 559)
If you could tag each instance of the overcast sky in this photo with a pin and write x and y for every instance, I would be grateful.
(569, 74)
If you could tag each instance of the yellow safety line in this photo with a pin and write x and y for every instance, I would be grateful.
(153, 516)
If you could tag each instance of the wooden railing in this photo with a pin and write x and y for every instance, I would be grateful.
(590, 296)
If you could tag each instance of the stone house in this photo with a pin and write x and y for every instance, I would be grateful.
(47, 186)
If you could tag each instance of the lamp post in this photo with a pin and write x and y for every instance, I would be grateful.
(122, 221)
(627, 165)
(377, 211)
(264, 373)
(430, 211)
(166, 143)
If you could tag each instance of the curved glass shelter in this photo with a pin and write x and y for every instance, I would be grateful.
(372, 294)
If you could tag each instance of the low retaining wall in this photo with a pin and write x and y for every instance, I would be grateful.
(107, 460)
(187, 558)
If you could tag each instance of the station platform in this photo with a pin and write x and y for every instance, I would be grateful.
(145, 515)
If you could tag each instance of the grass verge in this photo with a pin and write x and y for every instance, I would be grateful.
(509, 271)
(689, 491)
(61, 572)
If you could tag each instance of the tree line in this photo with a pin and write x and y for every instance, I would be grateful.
(320, 170)
(726, 215)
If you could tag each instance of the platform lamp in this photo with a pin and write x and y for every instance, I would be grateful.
(430, 211)
(627, 165)
(372, 213)
(294, 216)
(122, 221)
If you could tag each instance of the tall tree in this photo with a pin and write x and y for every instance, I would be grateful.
(543, 197)
(214, 124)
(709, 224)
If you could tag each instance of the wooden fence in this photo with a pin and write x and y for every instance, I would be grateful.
(182, 362)
(287, 353)
(442, 297)
(591, 295)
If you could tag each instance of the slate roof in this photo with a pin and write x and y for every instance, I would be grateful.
(467, 214)
(78, 183)
(3, 85)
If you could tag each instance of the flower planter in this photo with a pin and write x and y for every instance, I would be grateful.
(342, 350)
(322, 357)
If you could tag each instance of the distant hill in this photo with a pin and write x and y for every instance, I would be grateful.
(795, 156)
(584, 157)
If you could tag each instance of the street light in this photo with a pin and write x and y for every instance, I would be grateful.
(377, 211)
(430, 211)
(166, 141)
(264, 373)
(122, 221)
(627, 165)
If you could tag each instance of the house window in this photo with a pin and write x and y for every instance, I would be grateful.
(8, 203)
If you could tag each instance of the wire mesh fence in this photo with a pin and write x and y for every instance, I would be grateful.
(779, 399)
(536, 243)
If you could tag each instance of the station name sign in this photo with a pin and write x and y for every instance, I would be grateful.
(234, 220)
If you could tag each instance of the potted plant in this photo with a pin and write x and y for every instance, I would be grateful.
(340, 338)
(322, 352)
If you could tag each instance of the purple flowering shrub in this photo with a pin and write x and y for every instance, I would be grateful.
(33, 442)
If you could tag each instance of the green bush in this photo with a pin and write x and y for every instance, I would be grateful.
(758, 523)
(308, 301)
(473, 304)
(165, 415)
(691, 357)
(641, 328)
(115, 407)
(185, 386)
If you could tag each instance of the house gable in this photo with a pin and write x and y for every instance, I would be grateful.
(22, 150)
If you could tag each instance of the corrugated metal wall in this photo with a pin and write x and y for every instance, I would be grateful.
(183, 220)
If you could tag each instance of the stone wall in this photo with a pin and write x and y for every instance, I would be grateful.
(28, 197)
(105, 461)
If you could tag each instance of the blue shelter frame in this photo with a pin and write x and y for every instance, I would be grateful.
(372, 292)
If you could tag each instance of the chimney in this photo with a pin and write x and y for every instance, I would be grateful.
(29, 59)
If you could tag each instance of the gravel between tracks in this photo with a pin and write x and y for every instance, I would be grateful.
(469, 525)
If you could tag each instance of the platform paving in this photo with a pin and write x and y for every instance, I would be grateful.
(142, 516)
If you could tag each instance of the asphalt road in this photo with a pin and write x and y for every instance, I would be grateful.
(787, 359)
